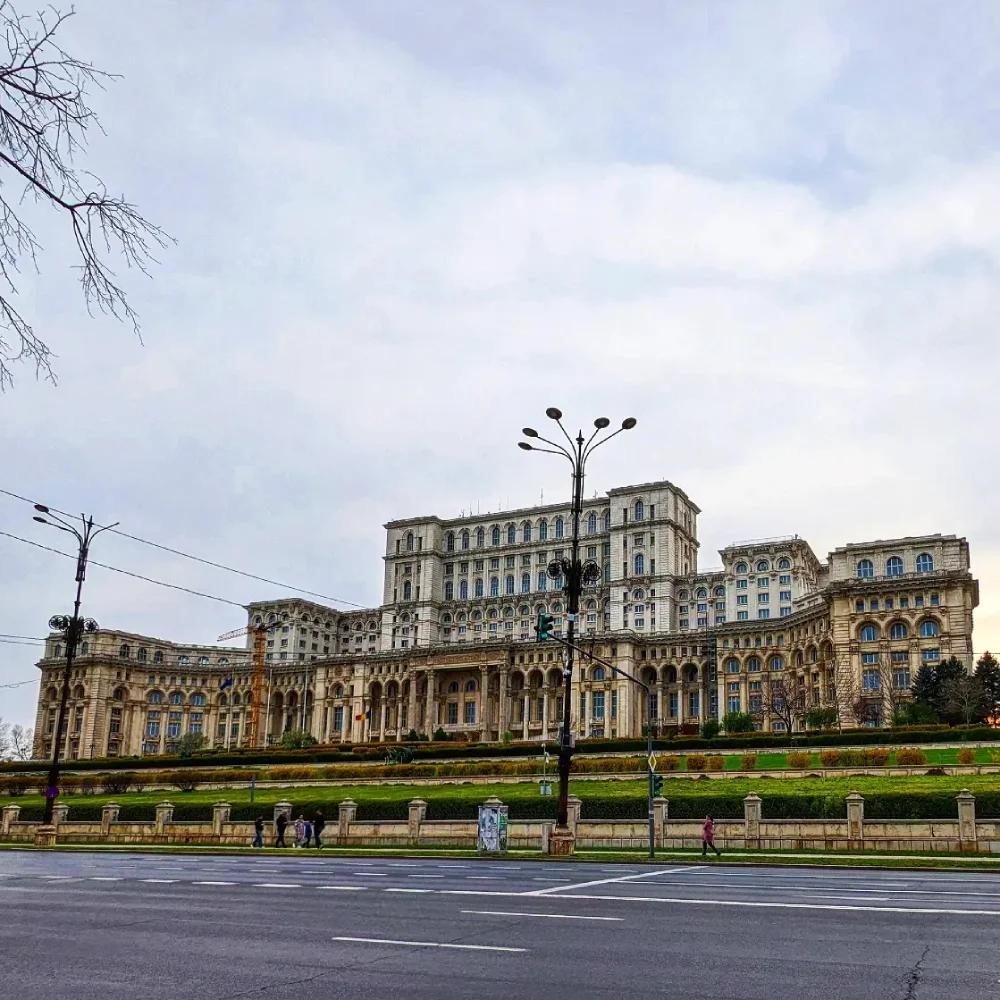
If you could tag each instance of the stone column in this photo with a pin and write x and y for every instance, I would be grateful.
(751, 815)
(411, 710)
(573, 813)
(164, 816)
(483, 718)
(660, 811)
(9, 818)
(855, 819)
(545, 713)
(431, 718)
(502, 708)
(417, 814)
(220, 816)
(968, 838)
(109, 815)
(525, 712)
(346, 813)
(59, 813)
(282, 807)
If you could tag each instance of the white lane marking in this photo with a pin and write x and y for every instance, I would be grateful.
(105, 878)
(345, 888)
(607, 881)
(427, 944)
(402, 864)
(551, 916)
(484, 878)
(277, 885)
(425, 876)
(539, 878)
(844, 887)
(215, 883)
(377, 874)
(407, 890)
(456, 866)
(786, 906)
(159, 881)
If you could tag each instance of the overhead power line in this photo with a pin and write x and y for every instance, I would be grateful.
(199, 559)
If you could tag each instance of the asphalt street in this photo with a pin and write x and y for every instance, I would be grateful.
(96, 925)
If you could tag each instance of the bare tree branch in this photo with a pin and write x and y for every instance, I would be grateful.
(44, 120)
(22, 739)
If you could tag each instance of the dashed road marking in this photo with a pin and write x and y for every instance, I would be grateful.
(428, 944)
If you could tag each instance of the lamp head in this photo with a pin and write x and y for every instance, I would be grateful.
(41, 508)
(40, 520)
(529, 432)
(553, 413)
(601, 422)
(524, 446)
(628, 423)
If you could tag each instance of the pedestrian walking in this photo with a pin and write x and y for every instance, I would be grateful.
(307, 834)
(300, 831)
(708, 837)
(319, 822)
(258, 832)
(280, 824)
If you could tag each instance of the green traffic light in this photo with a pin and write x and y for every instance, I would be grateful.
(657, 784)
(544, 625)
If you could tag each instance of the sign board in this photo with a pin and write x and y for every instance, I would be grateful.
(652, 762)
(492, 838)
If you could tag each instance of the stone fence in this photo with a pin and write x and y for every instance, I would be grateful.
(964, 833)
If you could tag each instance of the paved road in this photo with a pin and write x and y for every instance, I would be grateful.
(115, 926)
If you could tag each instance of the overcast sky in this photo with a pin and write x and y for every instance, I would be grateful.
(770, 231)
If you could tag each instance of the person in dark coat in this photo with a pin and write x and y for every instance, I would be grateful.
(258, 832)
(318, 823)
(280, 823)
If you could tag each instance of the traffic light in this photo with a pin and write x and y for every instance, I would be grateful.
(657, 784)
(543, 627)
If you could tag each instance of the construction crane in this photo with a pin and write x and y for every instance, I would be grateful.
(259, 635)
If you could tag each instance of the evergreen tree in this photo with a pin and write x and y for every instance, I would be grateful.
(927, 688)
(949, 672)
(988, 674)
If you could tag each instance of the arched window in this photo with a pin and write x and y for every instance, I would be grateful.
(125, 652)
(591, 524)
(449, 541)
(763, 566)
(338, 691)
(158, 656)
(894, 566)
(640, 564)
(84, 646)
(525, 583)
(702, 593)
(142, 654)
(543, 580)
(57, 650)
(495, 535)
(638, 594)
(183, 660)
(925, 563)
(453, 687)
(202, 660)
(776, 663)
(741, 567)
(407, 591)
(511, 534)
(866, 569)
(597, 674)
(682, 595)
(607, 520)
(732, 666)
(784, 563)
(176, 698)
(508, 612)
(526, 531)
(480, 538)
(929, 629)
(899, 630)
(494, 614)
(449, 591)
(720, 591)
(479, 587)
(559, 527)
(119, 694)
(607, 572)
(753, 665)
(463, 590)
(639, 511)
(869, 633)
(446, 618)
(409, 541)
(460, 617)
(198, 699)
(543, 530)
(494, 586)
(156, 697)
(524, 610)
(470, 686)
(465, 539)
(508, 585)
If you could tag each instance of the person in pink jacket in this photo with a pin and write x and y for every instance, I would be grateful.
(708, 837)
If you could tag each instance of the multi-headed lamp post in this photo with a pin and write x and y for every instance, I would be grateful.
(576, 575)
(73, 628)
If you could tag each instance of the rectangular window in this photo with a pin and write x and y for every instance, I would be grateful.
(763, 613)
(869, 657)
(152, 729)
(684, 622)
(494, 564)
(918, 601)
(338, 718)
(470, 713)
(742, 599)
(901, 678)
(703, 607)
(742, 584)
(742, 616)
(598, 698)
(720, 605)
(452, 713)
(734, 703)
(763, 581)
(870, 680)
(673, 705)
(720, 619)
(583, 705)
(449, 569)
(785, 595)
(904, 602)
(930, 655)
(703, 620)
(763, 598)
(786, 611)
(935, 600)
(640, 623)
(591, 551)
(900, 656)
(785, 579)
(693, 703)
(614, 704)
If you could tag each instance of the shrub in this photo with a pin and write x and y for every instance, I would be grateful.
(186, 780)
(909, 757)
(798, 760)
(877, 756)
(117, 782)
(710, 729)
(139, 781)
(669, 763)
(715, 762)
(967, 756)
(738, 722)
(748, 762)
(90, 784)
(935, 772)
(829, 758)
(697, 762)
(852, 758)
(14, 785)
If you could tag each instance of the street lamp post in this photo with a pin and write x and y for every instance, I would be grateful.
(73, 628)
(576, 575)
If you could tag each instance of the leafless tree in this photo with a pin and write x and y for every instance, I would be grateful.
(4, 740)
(45, 117)
(22, 740)
(780, 700)
(967, 698)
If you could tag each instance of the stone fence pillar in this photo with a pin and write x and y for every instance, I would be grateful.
(220, 816)
(574, 806)
(751, 815)
(9, 818)
(59, 813)
(164, 816)
(968, 838)
(283, 807)
(855, 819)
(417, 814)
(109, 815)
(346, 814)
(660, 810)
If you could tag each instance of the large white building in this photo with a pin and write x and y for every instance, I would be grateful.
(773, 631)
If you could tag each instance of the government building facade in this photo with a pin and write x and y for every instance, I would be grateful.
(775, 631)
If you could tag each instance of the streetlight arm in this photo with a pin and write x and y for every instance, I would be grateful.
(551, 451)
(590, 450)
(572, 443)
(556, 445)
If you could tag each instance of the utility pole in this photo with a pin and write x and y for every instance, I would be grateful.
(72, 627)
(575, 576)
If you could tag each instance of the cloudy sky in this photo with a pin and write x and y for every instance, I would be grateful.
(768, 230)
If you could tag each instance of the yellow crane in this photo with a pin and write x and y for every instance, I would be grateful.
(259, 635)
